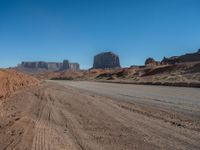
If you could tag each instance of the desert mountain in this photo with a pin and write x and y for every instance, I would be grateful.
(106, 60)
(190, 57)
(42, 66)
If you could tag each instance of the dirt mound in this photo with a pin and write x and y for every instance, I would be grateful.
(12, 80)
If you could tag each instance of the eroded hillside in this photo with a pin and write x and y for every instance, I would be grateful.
(11, 80)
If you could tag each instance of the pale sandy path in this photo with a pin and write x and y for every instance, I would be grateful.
(179, 99)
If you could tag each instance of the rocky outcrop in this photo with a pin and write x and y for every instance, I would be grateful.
(48, 66)
(70, 66)
(39, 64)
(171, 60)
(106, 60)
(74, 66)
(151, 62)
(192, 57)
(66, 65)
(54, 66)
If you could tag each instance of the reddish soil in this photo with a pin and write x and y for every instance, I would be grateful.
(61, 117)
(183, 74)
(12, 80)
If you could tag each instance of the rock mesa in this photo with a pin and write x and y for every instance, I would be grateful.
(106, 60)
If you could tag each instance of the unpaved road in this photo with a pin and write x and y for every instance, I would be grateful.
(100, 116)
(179, 99)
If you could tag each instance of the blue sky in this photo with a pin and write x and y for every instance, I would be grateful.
(53, 30)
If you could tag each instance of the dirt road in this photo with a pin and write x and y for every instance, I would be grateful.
(179, 99)
(84, 115)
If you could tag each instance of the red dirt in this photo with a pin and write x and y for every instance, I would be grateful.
(12, 80)
(183, 74)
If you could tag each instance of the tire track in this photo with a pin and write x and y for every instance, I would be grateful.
(47, 136)
(54, 117)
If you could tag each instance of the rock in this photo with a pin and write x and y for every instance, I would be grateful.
(106, 60)
(171, 60)
(191, 57)
(134, 66)
(151, 62)
(70, 66)
(29, 64)
(41, 66)
(198, 52)
(65, 65)
(54, 66)
(74, 66)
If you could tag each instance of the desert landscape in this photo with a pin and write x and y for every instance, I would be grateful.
(101, 108)
(99, 75)
(181, 70)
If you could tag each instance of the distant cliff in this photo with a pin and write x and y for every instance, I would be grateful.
(106, 60)
(191, 57)
(42, 66)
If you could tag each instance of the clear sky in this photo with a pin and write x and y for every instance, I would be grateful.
(53, 30)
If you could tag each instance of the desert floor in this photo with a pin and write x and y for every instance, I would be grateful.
(100, 116)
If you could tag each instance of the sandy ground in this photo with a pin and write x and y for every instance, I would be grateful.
(11, 80)
(86, 115)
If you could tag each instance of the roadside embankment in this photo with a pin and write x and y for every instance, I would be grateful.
(11, 80)
(178, 84)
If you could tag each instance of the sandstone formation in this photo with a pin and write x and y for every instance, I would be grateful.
(191, 57)
(151, 62)
(74, 66)
(41, 66)
(66, 65)
(54, 66)
(106, 60)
